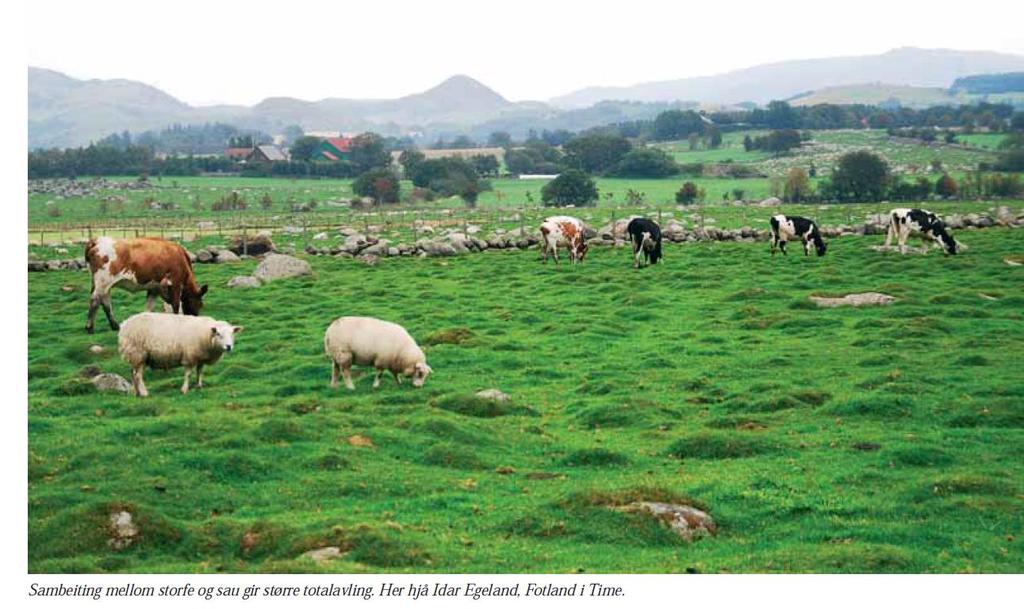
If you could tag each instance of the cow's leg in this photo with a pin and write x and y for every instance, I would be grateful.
(108, 310)
(904, 233)
(774, 243)
(137, 382)
(890, 234)
(807, 247)
(554, 251)
(199, 376)
(636, 255)
(782, 246)
(376, 377)
(335, 370)
(176, 299)
(94, 303)
(184, 385)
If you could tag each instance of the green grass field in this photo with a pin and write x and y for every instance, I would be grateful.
(821, 440)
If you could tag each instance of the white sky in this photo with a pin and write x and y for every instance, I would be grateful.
(230, 51)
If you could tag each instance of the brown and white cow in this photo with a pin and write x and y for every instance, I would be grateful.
(159, 267)
(565, 231)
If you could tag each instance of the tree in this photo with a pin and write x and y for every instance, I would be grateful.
(714, 137)
(380, 184)
(303, 147)
(676, 124)
(572, 187)
(409, 160)
(860, 176)
(748, 144)
(798, 186)
(646, 163)
(485, 164)
(689, 193)
(946, 186)
(368, 153)
(536, 157)
(596, 153)
(781, 115)
(499, 139)
(292, 133)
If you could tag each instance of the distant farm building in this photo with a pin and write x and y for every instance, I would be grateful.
(266, 153)
(238, 154)
(332, 149)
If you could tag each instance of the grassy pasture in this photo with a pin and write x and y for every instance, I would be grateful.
(841, 440)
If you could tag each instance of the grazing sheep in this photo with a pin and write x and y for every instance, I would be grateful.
(373, 342)
(162, 340)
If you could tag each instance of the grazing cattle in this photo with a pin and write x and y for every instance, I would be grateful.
(785, 228)
(373, 342)
(165, 340)
(159, 267)
(646, 238)
(903, 221)
(565, 231)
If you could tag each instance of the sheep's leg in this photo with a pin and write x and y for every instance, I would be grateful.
(346, 373)
(150, 300)
(184, 385)
(140, 386)
(376, 377)
(398, 379)
(199, 379)
(335, 369)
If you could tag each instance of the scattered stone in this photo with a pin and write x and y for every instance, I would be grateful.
(495, 395)
(505, 470)
(68, 288)
(360, 441)
(686, 521)
(770, 202)
(854, 300)
(96, 349)
(1014, 260)
(122, 530)
(320, 237)
(867, 446)
(226, 256)
(322, 556)
(254, 245)
(281, 266)
(110, 382)
(244, 281)
(90, 372)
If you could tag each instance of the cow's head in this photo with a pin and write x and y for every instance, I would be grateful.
(192, 302)
(581, 250)
(820, 246)
(222, 335)
(946, 240)
(419, 374)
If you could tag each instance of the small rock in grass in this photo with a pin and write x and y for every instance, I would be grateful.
(244, 281)
(109, 381)
(686, 521)
(867, 446)
(362, 441)
(96, 349)
(122, 530)
(323, 555)
(854, 300)
(505, 470)
(493, 394)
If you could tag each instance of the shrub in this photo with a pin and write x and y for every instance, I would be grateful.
(572, 187)
(689, 193)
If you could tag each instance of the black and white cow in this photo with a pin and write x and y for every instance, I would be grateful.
(646, 238)
(903, 221)
(785, 228)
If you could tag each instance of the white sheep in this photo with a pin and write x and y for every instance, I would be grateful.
(373, 342)
(162, 340)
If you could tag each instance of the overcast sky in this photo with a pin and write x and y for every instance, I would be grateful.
(229, 51)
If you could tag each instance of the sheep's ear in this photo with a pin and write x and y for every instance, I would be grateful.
(239, 329)
(213, 331)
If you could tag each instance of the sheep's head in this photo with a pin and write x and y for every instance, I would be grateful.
(222, 335)
(419, 374)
